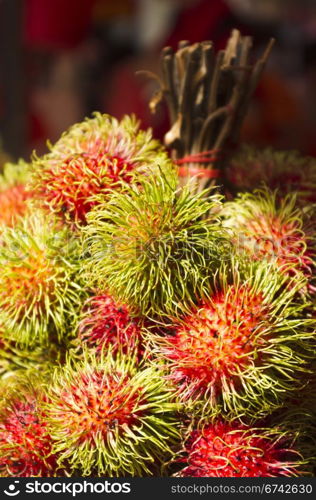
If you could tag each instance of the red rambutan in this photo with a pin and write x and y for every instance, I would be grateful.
(89, 160)
(13, 203)
(106, 323)
(266, 228)
(25, 445)
(108, 416)
(232, 449)
(216, 340)
(284, 171)
(239, 350)
(13, 192)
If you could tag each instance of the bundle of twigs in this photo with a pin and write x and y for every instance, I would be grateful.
(207, 95)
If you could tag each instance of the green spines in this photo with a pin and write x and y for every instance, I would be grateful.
(155, 246)
(39, 269)
(109, 417)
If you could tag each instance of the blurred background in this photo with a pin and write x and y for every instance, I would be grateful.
(60, 60)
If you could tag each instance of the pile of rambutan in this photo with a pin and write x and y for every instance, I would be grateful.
(152, 329)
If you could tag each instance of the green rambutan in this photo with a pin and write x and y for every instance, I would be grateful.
(91, 159)
(14, 192)
(109, 417)
(284, 171)
(242, 349)
(25, 445)
(155, 247)
(273, 230)
(105, 322)
(232, 449)
(39, 279)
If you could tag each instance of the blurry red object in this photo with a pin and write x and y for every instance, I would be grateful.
(204, 20)
(57, 24)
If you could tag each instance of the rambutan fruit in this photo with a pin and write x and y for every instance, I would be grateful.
(105, 322)
(108, 416)
(284, 171)
(232, 449)
(154, 247)
(273, 230)
(25, 445)
(39, 279)
(14, 192)
(242, 350)
(91, 159)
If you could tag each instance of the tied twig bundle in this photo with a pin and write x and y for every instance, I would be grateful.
(207, 96)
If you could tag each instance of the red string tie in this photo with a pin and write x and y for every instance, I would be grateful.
(209, 156)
